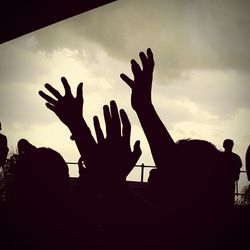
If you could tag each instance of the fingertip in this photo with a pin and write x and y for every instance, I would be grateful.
(122, 113)
(80, 86)
(112, 102)
(95, 119)
(149, 52)
(105, 106)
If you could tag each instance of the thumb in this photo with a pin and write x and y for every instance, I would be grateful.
(136, 152)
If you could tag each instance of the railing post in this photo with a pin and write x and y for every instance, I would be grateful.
(237, 188)
(142, 175)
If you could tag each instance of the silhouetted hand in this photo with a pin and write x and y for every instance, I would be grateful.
(67, 108)
(114, 154)
(142, 84)
(160, 141)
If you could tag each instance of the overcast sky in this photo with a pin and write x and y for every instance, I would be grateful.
(201, 79)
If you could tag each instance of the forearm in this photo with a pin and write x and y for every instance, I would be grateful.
(83, 138)
(159, 139)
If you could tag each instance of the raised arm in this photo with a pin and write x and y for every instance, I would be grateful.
(69, 110)
(110, 158)
(160, 142)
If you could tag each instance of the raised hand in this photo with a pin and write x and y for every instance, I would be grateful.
(117, 159)
(110, 158)
(67, 108)
(142, 84)
(159, 139)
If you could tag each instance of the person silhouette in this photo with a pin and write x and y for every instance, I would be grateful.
(42, 188)
(193, 209)
(3, 148)
(248, 162)
(105, 209)
(232, 164)
(24, 146)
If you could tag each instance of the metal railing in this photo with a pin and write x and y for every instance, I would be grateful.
(142, 176)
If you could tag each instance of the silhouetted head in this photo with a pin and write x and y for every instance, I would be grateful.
(0, 126)
(198, 170)
(23, 146)
(228, 145)
(43, 175)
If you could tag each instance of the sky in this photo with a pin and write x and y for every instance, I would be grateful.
(201, 77)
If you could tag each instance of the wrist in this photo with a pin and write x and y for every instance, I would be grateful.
(145, 108)
(77, 124)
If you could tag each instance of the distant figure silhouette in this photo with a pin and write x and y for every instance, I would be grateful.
(3, 148)
(248, 162)
(232, 165)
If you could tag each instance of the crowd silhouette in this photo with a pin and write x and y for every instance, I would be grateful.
(100, 211)
(3, 148)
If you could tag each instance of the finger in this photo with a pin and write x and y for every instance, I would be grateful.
(53, 91)
(51, 107)
(66, 86)
(135, 68)
(47, 97)
(107, 118)
(126, 127)
(116, 123)
(126, 79)
(144, 60)
(150, 56)
(98, 130)
(79, 92)
(136, 153)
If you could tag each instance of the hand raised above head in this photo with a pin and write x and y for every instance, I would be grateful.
(114, 152)
(142, 84)
(67, 108)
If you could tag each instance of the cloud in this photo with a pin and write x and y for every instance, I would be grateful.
(185, 35)
(22, 62)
